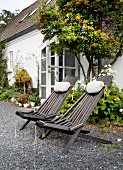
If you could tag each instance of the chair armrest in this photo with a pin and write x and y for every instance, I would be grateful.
(77, 126)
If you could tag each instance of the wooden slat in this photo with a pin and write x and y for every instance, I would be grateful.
(86, 104)
(52, 104)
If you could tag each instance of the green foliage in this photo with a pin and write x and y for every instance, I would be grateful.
(3, 66)
(33, 98)
(72, 98)
(108, 111)
(83, 26)
(109, 107)
(5, 17)
(22, 77)
(7, 93)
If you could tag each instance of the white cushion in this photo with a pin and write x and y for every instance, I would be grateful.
(61, 86)
(94, 86)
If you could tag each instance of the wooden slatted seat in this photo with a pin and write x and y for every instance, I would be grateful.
(50, 107)
(74, 119)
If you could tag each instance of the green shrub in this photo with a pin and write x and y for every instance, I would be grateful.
(34, 97)
(7, 93)
(72, 98)
(109, 107)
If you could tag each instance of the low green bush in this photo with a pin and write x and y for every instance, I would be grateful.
(109, 108)
(72, 98)
(7, 93)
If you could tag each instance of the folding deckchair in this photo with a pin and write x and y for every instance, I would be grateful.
(51, 105)
(74, 119)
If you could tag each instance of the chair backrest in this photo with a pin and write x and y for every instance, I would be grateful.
(54, 102)
(86, 104)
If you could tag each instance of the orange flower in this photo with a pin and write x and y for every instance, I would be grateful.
(98, 31)
(105, 47)
(78, 18)
(117, 42)
(85, 22)
(94, 45)
(89, 49)
(78, 2)
(91, 35)
(110, 33)
(94, 5)
(110, 47)
(89, 28)
(85, 2)
(102, 34)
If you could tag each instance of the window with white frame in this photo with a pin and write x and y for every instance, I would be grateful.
(10, 59)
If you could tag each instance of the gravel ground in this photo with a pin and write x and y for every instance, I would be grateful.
(20, 153)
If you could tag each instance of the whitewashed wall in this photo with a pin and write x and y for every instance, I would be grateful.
(26, 51)
(118, 66)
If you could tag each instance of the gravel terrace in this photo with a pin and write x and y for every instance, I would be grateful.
(20, 153)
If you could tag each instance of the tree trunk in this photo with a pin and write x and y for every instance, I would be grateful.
(24, 87)
(85, 78)
(92, 67)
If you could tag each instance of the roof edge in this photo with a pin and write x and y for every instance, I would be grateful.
(33, 27)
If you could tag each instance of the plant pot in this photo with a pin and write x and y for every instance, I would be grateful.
(13, 99)
(20, 104)
(32, 104)
(26, 105)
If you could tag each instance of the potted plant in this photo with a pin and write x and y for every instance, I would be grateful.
(33, 100)
(23, 100)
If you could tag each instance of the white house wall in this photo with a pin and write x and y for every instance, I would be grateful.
(118, 67)
(26, 52)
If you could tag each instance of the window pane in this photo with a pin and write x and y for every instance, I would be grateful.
(69, 72)
(60, 60)
(43, 64)
(60, 74)
(43, 78)
(43, 92)
(52, 53)
(69, 59)
(52, 60)
(43, 53)
(52, 89)
(52, 76)
(11, 59)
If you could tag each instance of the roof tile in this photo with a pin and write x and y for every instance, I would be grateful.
(17, 27)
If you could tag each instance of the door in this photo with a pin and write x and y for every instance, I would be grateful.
(54, 68)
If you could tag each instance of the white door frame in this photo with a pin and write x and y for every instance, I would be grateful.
(53, 68)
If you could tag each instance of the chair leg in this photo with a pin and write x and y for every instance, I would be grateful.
(96, 139)
(85, 131)
(24, 124)
(74, 136)
(44, 135)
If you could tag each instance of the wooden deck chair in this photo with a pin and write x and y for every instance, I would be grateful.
(74, 119)
(51, 105)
